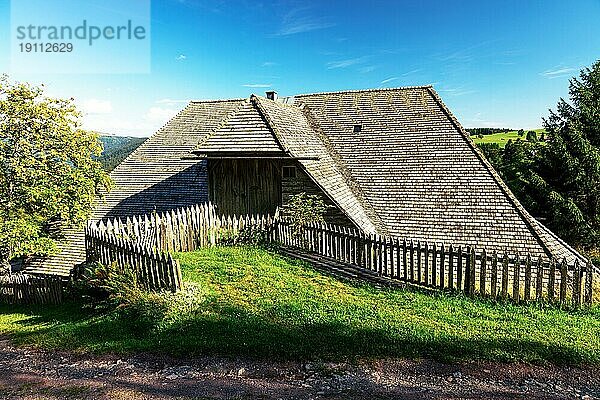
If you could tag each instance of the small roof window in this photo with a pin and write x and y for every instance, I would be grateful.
(357, 128)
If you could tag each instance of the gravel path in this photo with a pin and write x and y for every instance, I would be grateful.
(33, 374)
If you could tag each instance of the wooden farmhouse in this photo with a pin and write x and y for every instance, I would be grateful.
(389, 161)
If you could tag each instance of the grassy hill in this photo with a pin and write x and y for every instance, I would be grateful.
(116, 148)
(245, 301)
(503, 137)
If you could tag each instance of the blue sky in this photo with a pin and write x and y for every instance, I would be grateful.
(495, 63)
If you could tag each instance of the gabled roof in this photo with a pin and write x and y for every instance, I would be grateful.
(160, 173)
(293, 130)
(421, 173)
(244, 131)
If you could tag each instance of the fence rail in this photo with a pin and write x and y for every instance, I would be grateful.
(519, 277)
(30, 289)
(154, 269)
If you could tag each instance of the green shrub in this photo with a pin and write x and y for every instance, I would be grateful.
(302, 210)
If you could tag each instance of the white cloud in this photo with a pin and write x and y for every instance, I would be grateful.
(268, 64)
(345, 63)
(414, 71)
(557, 72)
(367, 69)
(96, 106)
(257, 85)
(181, 57)
(383, 82)
(298, 20)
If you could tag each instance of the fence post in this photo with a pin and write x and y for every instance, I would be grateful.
(539, 279)
(563, 281)
(442, 266)
(434, 280)
(459, 270)
(576, 294)
(451, 268)
(467, 287)
(527, 291)
(404, 260)
(516, 278)
(483, 273)
(551, 279)
(494, 283)
(588, 295)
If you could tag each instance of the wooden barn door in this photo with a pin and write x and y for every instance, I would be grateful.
(244, 186)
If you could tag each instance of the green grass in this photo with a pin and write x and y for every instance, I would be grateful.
(250, 302)
(503, 137)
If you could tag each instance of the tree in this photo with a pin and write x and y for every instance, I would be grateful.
(521, 132)
(567, 172)
(47, 173)
(532, 136)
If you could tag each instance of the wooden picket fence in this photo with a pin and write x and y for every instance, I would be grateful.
(154, 269)
(30, 289)
(185, 229)
(516, 277)
(519, 277)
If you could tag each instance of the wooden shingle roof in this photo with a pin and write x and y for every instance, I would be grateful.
(422, 174)
(293, 130)
(245, 131)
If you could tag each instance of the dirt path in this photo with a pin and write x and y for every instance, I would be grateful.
(32, 374)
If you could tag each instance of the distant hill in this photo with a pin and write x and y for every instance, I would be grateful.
(116, 148)
(502, 137)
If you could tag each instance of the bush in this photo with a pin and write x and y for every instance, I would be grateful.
(106, 285)
(302, 210)
(113, 289)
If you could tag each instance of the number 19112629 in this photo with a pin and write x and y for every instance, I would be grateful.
(46, 47)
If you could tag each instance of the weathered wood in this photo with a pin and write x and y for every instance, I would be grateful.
(442, 267)
(30, 289)
(563, 281)
(412, 261)
(516, 279)
(451, 267)
(576, 292)
(459, 270)
(504, 290)
(404, 261)
(494, 277)
(472, 273)
(527, 290)
(419, 272)
(468, 271)
(589, 290)
(539, 280)
(434, 266)
(483, 273)
(551, 280)
(427, 272)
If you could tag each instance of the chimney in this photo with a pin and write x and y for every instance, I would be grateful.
(271, 95)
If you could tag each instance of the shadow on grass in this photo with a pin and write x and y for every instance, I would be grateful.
(234, 332)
